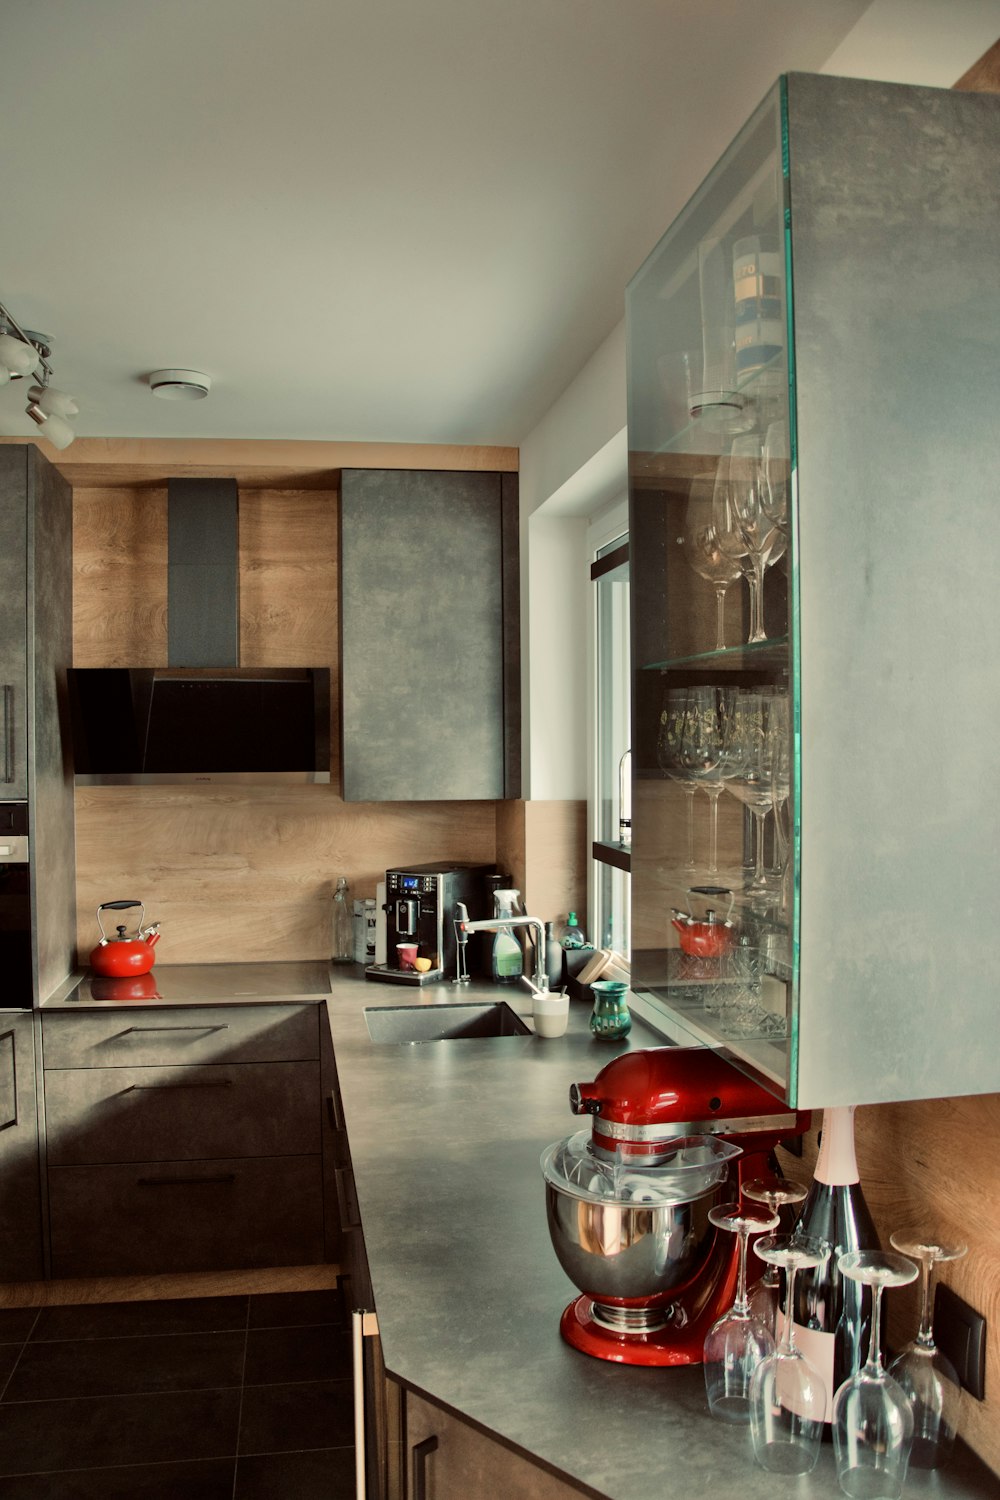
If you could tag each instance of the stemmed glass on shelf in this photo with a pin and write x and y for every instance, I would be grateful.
(742, 525)
(706, 726)
(737, 1342)
(669, 757)
(704, 552)
(928, 1377)
(757, 723)
(872, 1419)
(787, 1396)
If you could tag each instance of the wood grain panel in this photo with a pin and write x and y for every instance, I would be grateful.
(264, 462)
(247, 874)
(556, 860)
(931, 1165)
(85, 1290)
(984, 75)
(120, 577)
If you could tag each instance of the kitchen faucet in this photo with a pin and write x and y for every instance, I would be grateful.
(540, 984)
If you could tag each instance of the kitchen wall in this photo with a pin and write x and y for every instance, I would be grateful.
(243, 873)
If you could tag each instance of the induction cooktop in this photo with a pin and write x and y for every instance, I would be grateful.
(206, 984)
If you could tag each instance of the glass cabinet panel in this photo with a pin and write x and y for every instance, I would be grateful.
(812, 358)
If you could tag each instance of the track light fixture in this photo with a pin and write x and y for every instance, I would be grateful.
(23, 353)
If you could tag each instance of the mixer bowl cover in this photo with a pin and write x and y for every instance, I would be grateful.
(694, 1166)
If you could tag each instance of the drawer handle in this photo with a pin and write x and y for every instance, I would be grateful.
(128, 1029)
(336, 1116)
(420, 1455)
(207, 1083)
(8, 732)
(185, 1181)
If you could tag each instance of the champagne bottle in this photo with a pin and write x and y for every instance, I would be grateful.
(832, 1314)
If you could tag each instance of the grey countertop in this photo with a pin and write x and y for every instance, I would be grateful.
(445, 1142)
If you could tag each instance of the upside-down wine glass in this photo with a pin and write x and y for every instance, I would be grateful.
(669, 744)
(776, 1193)
(742, 525)
(787, 1396)
(872, 1420)
(706, 723)
(737, 1342)
(775, 474)
(928, 1377)
(704, 552)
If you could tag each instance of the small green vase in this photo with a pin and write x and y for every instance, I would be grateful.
(610, 1019)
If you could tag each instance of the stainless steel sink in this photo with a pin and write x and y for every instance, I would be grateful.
(443, 1023)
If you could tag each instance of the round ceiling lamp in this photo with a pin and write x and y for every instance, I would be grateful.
(180, 385)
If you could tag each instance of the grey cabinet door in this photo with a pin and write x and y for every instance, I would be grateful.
(13, 622)
(20, 1190)
(429, 631)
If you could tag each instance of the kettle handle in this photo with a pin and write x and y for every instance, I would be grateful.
(118, 906)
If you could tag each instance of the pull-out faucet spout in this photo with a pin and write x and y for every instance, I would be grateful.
(539, 984)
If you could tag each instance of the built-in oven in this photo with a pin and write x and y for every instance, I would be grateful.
(15, 908)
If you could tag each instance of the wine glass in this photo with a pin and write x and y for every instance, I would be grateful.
(928, 1377)
(776, 1193)
(704, 736)
(669, 743)
(737, 1342)
(747, 763)
(787, 1396)
(872, 1420)
(775, 474)
(704, 552)
(743, 527)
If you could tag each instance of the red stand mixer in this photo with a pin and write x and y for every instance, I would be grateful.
(628, 1200)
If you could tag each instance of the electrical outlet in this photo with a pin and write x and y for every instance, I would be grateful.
(960, 1333)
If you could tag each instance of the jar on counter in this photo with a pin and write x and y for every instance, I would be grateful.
(610, 1019)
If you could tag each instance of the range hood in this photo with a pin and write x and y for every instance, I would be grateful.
(204, 717)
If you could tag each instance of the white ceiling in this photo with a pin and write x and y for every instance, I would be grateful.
(402, 220)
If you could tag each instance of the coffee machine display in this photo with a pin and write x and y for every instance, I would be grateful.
(628, 1200)
(420, 901)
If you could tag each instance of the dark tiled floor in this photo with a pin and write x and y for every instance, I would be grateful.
(214, 1398)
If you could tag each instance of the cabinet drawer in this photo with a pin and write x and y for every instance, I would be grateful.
(449, 1460)
(197, 1034)
(174, 1114)
(185, 1216)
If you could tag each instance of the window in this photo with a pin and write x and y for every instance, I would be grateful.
(610, 811)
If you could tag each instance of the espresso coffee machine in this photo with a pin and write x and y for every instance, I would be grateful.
(628, 1200)
(420, 903)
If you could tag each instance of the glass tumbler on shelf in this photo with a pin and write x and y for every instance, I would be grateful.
(787, 1395)
(928, 1377)
(737, 1342)
(872, 1419)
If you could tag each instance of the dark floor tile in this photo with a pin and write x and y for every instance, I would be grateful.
(288, 1418)
(16, 1323)
(91, 1432)
(104, 1320)
(290, 1309)
(323, 1475)
(127, 1367)
(208, 1480)
(280, 1354)
(9, 1354)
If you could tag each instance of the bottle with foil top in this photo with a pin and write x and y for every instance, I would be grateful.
(342, 924)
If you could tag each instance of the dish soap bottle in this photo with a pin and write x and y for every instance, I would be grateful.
(507, 962)
(343, 923)
(554, 960)
(573, 933)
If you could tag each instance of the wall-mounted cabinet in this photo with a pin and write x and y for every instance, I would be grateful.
(429, 636)
(812, 354)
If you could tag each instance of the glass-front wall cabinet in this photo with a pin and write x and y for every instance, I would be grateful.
(789, 427)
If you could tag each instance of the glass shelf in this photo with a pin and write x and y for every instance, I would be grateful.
(772, 653)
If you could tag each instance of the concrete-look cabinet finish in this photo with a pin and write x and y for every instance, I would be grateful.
(184, 1140)
(20, 1186)
(449, 1460)
(429, 635)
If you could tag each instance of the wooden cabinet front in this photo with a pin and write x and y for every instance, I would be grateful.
(449, 1460)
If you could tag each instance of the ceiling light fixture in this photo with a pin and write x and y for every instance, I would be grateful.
(180, 385)
(22, 353)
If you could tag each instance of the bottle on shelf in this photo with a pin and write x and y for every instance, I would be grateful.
(342, 935)
(573, 935)
(554, 960)
(832, 1313)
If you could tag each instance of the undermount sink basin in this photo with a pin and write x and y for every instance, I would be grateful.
(443, 1023)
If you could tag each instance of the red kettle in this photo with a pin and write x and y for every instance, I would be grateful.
(707, 936)
(116, 957)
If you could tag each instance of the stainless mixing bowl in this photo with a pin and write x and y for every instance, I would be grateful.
(630, 1249)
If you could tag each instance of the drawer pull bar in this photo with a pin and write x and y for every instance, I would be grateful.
(185, 1181)
(420, 1455)
(223, 1027)
(207, 1083)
